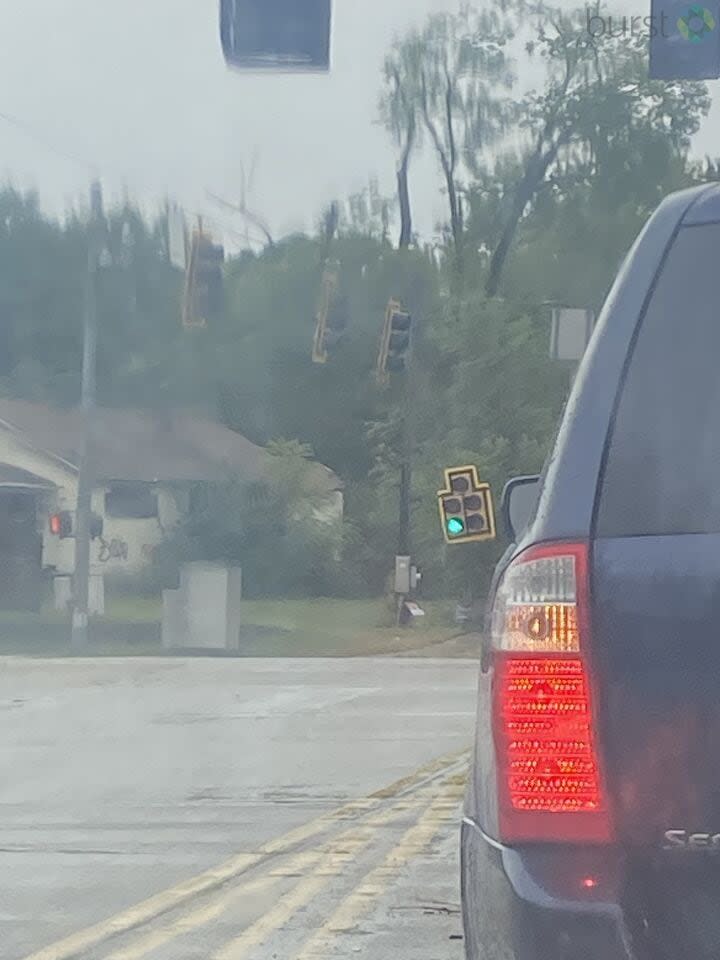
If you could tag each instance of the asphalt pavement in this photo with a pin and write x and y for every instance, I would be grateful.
(177, 809)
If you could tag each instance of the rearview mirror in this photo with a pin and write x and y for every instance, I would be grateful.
(519, 500)
(276, 35)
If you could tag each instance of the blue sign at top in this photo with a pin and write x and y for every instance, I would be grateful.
(685, 40)
(276, 35)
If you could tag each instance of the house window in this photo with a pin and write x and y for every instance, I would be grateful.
(131, 501)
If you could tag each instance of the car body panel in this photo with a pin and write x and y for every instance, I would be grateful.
(656, 673)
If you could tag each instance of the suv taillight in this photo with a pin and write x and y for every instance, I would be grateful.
(549, 773)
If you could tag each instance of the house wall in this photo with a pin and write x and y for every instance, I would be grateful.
(126, 545)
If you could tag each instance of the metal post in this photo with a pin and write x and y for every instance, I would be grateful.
(81, 586)
(405, 494)
(408, 453)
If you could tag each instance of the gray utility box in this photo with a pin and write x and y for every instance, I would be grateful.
(204, 613)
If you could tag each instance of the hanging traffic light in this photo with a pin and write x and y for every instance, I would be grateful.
(209, 289)
(331, 317)
(466, 507)
(204, 286)
(395, 341)
(276, 35)
(337, 320)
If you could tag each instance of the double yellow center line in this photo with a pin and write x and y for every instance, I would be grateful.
(317, 867)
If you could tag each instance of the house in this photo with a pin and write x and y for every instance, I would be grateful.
(147, 468)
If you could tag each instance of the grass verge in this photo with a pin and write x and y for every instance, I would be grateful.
(289, 628)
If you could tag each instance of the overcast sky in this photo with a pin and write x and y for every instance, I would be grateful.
(138, 92)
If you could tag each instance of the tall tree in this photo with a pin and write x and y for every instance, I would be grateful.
(599, 116)
(399, 114)
(453, 77)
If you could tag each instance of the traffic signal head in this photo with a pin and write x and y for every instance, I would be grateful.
(61, 524)
(395, 342)
(399, 342)
(331, 316)
(204, 294)
(466, 509)
(209, 289)
(337, 321)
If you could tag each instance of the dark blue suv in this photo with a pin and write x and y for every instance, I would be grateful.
(592, 819)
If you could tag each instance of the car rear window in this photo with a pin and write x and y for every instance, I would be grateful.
(662, 474)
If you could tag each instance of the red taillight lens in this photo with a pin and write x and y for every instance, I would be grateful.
(56, 524)
(549, 775)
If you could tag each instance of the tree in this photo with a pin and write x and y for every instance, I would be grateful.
(453, 77)
(599, 117)
(399, 114)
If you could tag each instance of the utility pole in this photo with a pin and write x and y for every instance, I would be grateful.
(407, 441)
(81, 586)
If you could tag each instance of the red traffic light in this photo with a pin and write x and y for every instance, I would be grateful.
(61, 524)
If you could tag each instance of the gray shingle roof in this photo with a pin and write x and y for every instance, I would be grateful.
(146, 446)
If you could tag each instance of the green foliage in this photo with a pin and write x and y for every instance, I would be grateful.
(277, 528)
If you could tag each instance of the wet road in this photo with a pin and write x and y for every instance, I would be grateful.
(230, 809)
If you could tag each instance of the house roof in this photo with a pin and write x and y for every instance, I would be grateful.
(146, 446)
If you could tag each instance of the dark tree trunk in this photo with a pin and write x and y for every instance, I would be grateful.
(537, 167)
(404, 188)
(405, 208)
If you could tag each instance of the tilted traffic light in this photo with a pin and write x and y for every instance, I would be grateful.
(684, 39)
(395, 341)
(331, 317)
(337, 321)
(205, 291)
(209, 287)
(466, 507)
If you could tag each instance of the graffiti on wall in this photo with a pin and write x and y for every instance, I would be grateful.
(112, 550)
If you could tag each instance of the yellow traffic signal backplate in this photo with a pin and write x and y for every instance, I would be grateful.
(467, 513)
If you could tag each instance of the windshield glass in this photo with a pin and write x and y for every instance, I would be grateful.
(288, 292)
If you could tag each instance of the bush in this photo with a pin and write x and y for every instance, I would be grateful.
(277, 529)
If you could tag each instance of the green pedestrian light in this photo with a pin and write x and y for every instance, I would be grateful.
(466, 510)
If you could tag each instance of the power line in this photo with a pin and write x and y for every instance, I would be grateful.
(39, 138)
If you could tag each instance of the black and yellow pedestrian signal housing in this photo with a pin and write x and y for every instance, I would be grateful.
(466, 507)
(395, 341)
(204, 288)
